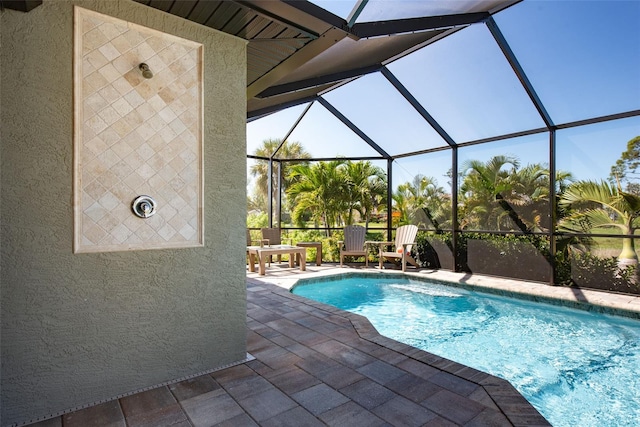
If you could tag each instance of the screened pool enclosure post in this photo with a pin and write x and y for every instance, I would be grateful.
(552, 203)
(454, 207)
(279, 195)
(270, 191)
(389, 198)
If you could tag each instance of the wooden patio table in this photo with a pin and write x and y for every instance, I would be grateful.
(263, 252)
(317, 245)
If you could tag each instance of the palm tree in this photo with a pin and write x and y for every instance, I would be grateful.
(421, 200)
(401, 204)
(594, 205)
(366, 187)
(483, 191)
(530, 194)
(317, 190)
(260, 170)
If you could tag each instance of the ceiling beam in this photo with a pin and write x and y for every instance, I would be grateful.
(298, 14)
(20, 5)
(262, 112)
(301, 57)
(318, 81)
(318, 12)
(411, 25)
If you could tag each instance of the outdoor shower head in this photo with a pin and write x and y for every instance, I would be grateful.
(146, 72)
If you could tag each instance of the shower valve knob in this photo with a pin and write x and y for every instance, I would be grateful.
(144, 206)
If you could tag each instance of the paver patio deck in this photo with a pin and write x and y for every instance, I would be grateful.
(316, 365)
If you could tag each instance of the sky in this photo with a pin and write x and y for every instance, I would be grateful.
(582, 57)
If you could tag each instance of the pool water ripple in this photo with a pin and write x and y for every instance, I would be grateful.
(577, 368)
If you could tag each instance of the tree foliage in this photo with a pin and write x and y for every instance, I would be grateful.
(260, 170)
(422, 202)
(625, 171)
(330, 193)
(500, 195)
(592, 205)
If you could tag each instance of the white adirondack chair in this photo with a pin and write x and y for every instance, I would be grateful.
(405, 238)
(353, 244)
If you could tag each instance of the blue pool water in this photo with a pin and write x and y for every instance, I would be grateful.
(577, 368)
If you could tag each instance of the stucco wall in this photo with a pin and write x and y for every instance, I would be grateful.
(80, 328)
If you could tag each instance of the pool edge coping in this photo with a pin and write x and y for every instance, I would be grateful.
(583, 299)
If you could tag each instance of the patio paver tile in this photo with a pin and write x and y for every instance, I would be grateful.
(488, 418)
(312, 338)
(339, 377)
(344, 354)
(353, 415)
(319, 398)
(381, 372)
(234, 373)
(267, 404)
(453, 406)
(455, 384)
(301, 350)
(418, 368)
(193, 387)
(441, 422)
(413, 387)
(368, 393)
(400, 411)
(147, 401)
(242, 420)
(108, 414)
(167, 416)
(317, 364)
(296, 417)
(211, 408)
(248, 387)
(294, 380)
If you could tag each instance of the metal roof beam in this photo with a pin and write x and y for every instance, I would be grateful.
(355, 12)
(299, 14)
(517, 68)
(317, 81)
(301, 57)
(411, 25)
(417, 106)
(317, 12)
(282, 19)
(600, 119)
(262, 112)
(295, 125)
(353, 127)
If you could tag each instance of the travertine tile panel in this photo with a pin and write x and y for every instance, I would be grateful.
(136, 136)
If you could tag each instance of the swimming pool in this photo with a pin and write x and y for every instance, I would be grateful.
(578, 368)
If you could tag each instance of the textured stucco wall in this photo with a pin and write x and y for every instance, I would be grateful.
(78, 328)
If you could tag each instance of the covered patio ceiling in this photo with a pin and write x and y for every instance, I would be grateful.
(298, 51)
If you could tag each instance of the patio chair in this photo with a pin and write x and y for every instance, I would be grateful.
(254, 242)
(353, 244)
(405, 238)
(272, 236)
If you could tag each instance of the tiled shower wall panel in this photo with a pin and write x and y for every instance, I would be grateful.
(136, 136)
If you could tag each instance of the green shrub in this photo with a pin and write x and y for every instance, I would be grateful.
(524, 257)
(589, 271)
